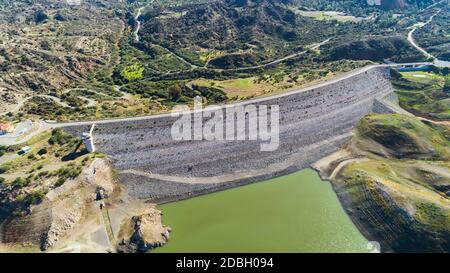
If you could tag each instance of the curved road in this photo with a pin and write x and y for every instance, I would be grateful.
(411, 40)
(20, 104)
(136, 31)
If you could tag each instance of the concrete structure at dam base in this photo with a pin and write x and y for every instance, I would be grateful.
(314, 122)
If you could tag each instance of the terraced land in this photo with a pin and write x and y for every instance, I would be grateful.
(425, 94)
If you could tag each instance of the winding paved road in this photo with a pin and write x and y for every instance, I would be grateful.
(437, 62)
(136, 31)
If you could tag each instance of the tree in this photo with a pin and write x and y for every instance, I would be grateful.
(175, 92)
(40, 16)
(446, 88)
(445, 71)
(59, 17)
(46, 45)
(395, 74)
(42, 151)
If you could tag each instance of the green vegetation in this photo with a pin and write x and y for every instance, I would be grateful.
(144, 62)
(183, 43)
(401, 185)
(56, 158)
(60, 138)
(3, 150)
(404, 137)
(170, 92)
(107, 107)
(395, 48)
(70, 171)
(424, 94)
(435, 37)
(133, 72)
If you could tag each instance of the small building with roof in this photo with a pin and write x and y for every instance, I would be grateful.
(6, 128)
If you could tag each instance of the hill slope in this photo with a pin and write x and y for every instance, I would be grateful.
(394, 181)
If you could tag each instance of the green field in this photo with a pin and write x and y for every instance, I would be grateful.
(423, 94)
(293, 213)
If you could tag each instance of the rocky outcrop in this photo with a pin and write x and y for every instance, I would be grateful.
(64, 218)
(393, 179)
(62, 210)
(143, 232)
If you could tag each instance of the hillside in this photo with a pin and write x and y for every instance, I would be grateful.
(62, 61)
(394, 180)
(392, 4)
(228, 34)
(60, 198)
(47, 46)
(394, 48)
(435, 37)
(425, 94)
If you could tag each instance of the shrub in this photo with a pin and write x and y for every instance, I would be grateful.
(40, 16)
(69, 172)
(35, 197)
(3, 169)
(59, 137)
(43, 174)
(175, 92)
(60, 181)
(20, 182)
(3, 150)
(446, 88)
(42, 151)
(59, 17)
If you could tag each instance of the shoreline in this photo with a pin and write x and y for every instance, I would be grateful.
(325, 169)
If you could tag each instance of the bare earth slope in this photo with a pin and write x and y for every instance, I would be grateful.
(393, 178)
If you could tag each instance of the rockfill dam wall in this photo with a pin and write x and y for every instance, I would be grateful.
(314, 122)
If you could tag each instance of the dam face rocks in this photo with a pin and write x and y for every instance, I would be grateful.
(314, 122)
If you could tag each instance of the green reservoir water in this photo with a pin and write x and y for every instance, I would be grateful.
(293, 213)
